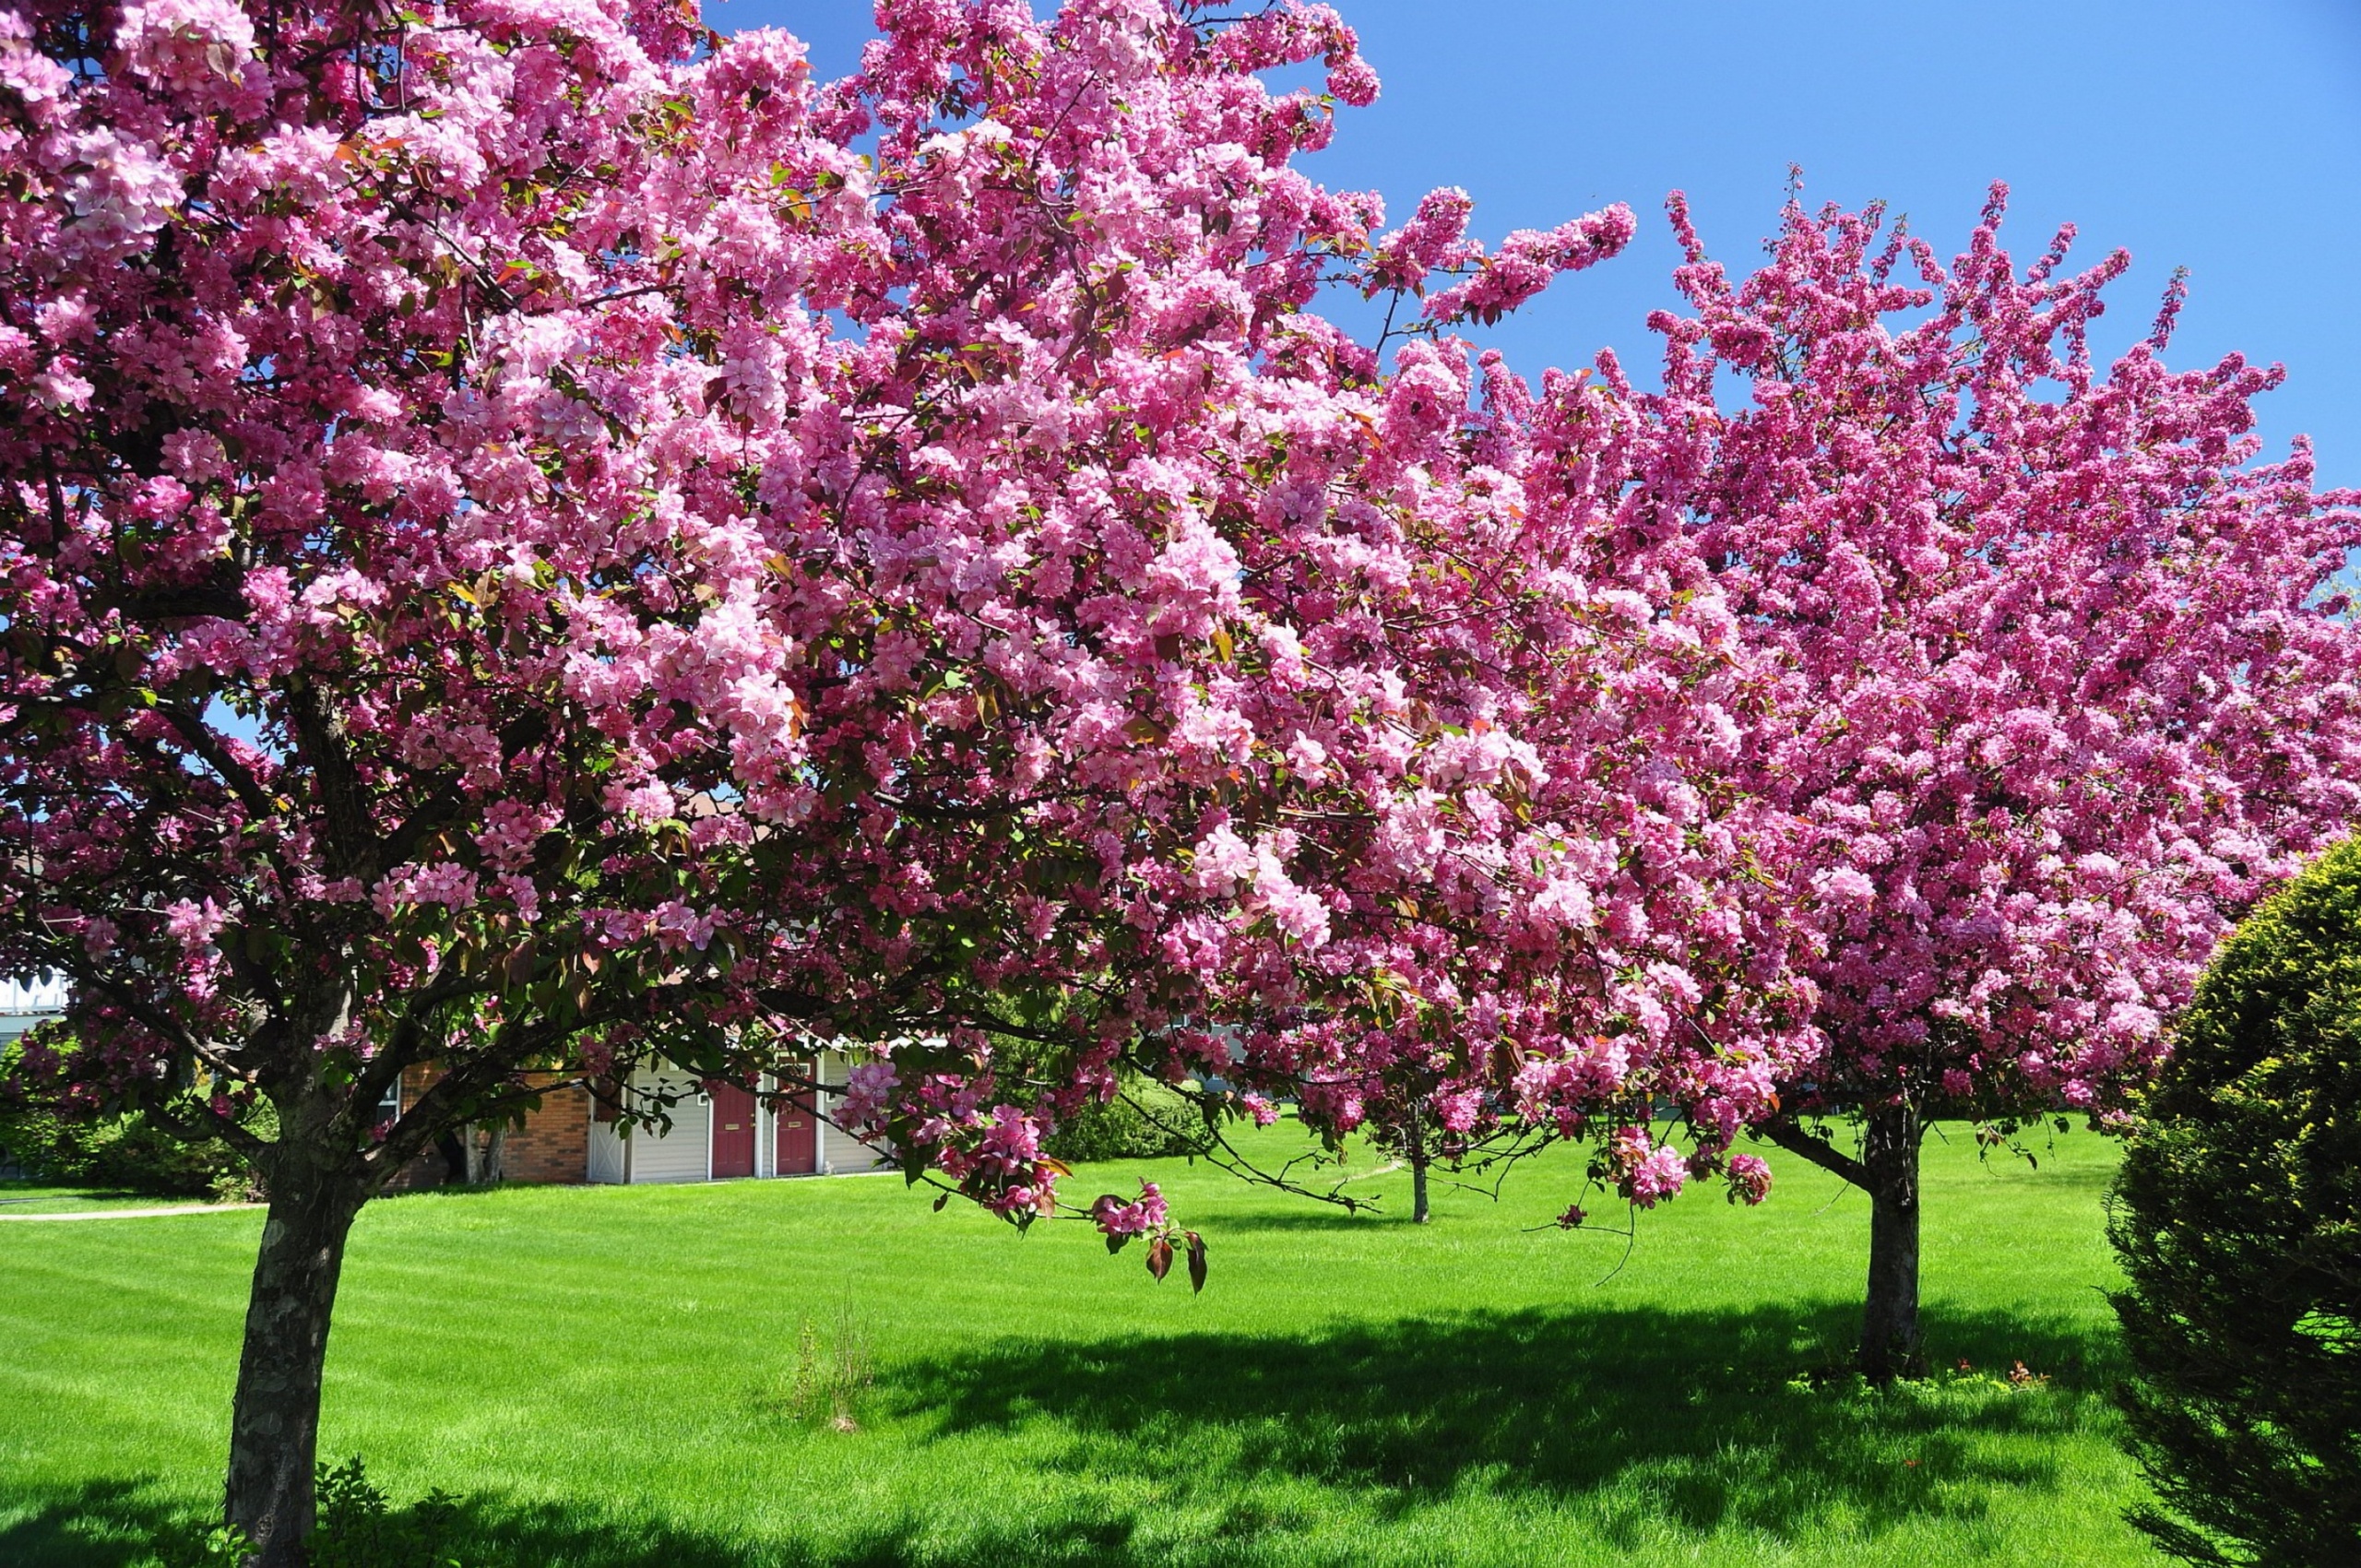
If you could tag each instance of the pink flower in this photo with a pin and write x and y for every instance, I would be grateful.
(1750, 1179)
(192, 925)
(1013, 1139)
(445, 882)
(1433, 238)
(60, 388)
(679, 926)
(1457, 1112)
(1658, 1177)
(1223, 860)
(646, 802)
(1144, 1216)
(187, 44)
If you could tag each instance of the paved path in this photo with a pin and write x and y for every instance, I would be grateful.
(128, 1213)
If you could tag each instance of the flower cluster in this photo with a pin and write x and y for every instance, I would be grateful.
(1750, 1179)
(1143, 1215)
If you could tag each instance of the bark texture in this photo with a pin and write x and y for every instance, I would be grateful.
(274, 1421)
(1419, 1159)
(1890, 1344)
(486, 1153)
(1888, 1173)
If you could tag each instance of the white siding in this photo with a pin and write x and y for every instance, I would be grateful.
(841, 1154)
(684, 1154)
(765, 1132)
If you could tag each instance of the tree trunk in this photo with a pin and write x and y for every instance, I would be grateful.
(1890, 1321)
(495, 1153)
(274, 1421)
(1419, 1159)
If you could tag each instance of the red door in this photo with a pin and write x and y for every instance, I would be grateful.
(799, 1137)
(733, 1130)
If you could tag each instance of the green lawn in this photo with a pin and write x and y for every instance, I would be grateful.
(603, 1375)
(33, 1198)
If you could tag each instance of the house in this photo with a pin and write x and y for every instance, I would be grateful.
(718, 1131)
(24, 1003)
(723, 1131)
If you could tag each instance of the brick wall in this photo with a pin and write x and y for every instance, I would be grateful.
(555, 1143)
(553, 1146)
(428, 1169)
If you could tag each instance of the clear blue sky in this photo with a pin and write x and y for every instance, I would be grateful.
(2221, 136)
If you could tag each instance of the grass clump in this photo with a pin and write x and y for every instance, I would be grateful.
(829, 1375)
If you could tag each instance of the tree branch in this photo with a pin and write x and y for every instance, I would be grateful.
(344, 799)
(1785, 1131)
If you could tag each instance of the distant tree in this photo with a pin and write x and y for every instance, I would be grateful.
(2237, 1217)
(2053, 693)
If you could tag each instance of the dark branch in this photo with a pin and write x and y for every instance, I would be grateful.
(1783, 1131)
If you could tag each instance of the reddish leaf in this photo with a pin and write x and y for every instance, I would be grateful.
(1196, 1262)
(1159, 1257)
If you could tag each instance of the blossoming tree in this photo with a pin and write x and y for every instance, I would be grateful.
(2055, 692)
(528, 549)
(1616, 668)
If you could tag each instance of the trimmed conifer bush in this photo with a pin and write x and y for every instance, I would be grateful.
(2237, 1217)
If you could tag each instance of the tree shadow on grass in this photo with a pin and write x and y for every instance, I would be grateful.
(1628, 1421)
(1719, 1418)
(1367, 1217)
(129, 1524)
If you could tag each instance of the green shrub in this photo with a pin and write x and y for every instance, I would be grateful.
(2237, 1217)
(1147, 1121)
(358, 1528)
(125, 1151)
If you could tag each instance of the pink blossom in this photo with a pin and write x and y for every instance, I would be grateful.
(1144, 1216)
(868, 1086)
(1750, 1179)
(678, 926)
(60, 387)
(1658, 1176)
(1457, 1112)
(192, 925)
(185, 44)
(1013, 1137)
